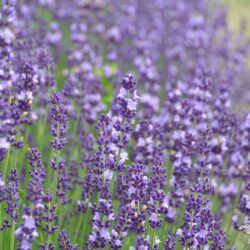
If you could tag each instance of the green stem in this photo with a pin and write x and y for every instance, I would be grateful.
(78, 227)
(12, 236)
(61, 213)
(55, 175)
(57, 162)
(54, 188)
(6, 164)
(5, 167)
(153, 239)
(1, 232)
(86, 220)
(50, 236)
(236, 201)
(235, 237)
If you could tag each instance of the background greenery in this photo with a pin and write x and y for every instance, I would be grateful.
(238, 9)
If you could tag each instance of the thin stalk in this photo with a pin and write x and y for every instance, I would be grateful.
(153, 239)
(12, 230)
(78, 227)
(12, 236)
(56, 170)
(112, 188)
(24, 159)
(235, 238)
(49, 235)
(55, 181)
(54, 184)
(61, 212)
(6, 164)
(1, 232)
(5, 167)
(86, 220)
(190, 228)
(236, 201)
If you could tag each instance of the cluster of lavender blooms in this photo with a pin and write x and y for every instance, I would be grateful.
(92, 157)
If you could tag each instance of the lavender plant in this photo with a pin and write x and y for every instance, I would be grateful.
(93, 156)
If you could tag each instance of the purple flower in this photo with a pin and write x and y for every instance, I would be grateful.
(2, 188)
(35, 187)
(64, 242)
(178, 162)
(49, 218)
(12, 196)
(46, 246)
(26, 233)
(141, 243)
(128, 82)
(63, 184)
(170, 243)
(59, 116)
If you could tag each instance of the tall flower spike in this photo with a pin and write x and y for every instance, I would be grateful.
(63, 185)
(113, 132)
(7, 73)
(49, 217)
(123, 113)
(59, 116)
(34, 157)
(59, 124)
(12, 196)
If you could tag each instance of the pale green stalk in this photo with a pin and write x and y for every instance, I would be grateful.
(1, 205)
(236, 201)
(12, 237)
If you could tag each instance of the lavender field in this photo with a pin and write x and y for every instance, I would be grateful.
(124, 124)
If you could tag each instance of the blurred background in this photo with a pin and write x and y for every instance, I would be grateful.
(238, 9)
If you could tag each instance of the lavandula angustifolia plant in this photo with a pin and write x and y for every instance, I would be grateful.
(99, 178)
(35, 187)
(113, 135)
(132, 195)
(13, 203)
(193, 144)
(59, 117)
(131, 187)
(11, 197)
(149, 151)
(49, 217)
(184, 174)
(7, 35)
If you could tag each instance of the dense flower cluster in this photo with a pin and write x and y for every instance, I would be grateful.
(93, 157)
